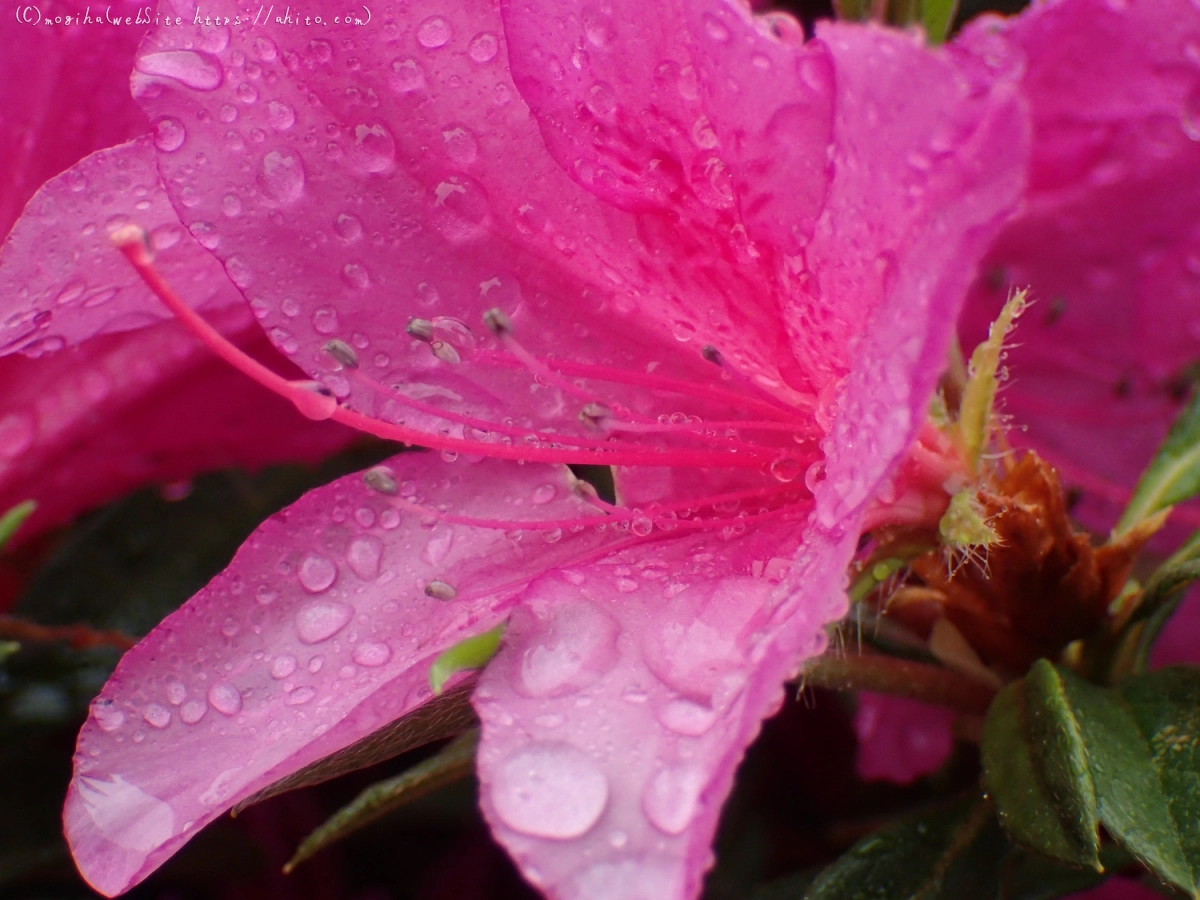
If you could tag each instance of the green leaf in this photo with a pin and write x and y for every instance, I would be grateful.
(1166, 707)
(937, 16)
(472, 653)
(1133, 805)
(1036, 770)
(1031, 876)
(1161, 599)
(947, 853)
(14, 519)
(444, 716)
(452, 762)
(1174, 474)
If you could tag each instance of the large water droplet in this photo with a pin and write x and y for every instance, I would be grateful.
(371, 654)
(192, 711)
(301, 695)
(406, 76)
(363, 557)
(574, 648)
(551, 790)
(601, 100)
(280, 115)
(283, 665)
(225, 698)
(282, 176)
(356, 275)
(460, 144)
(373, 148)
(786, 469)
(197, 70)
(239, 271)
(687, 718)
(459, 208)
(434, 32)
(176, 691)
(107, 716)
(169, 134)
(325, 320)
(544, 494)
(319, 620)
(348, 227)
(483, 47)
(126, 815)
(157, 715)
(671, 798)
(317, 573)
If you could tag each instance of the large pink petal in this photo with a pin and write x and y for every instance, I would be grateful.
(1108, 238)
(318, 633)
(64, 92)
(394, 173)
(625, 694)
(103, 393)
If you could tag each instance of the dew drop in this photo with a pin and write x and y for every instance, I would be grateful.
(228, 114)
(543, 494)
(157, 715)
(176, 692)
(356, 275)
(265, 595)
(434, 32)
(231, 205)
(716, 29)
(483, 47)
(247, 93)
(206, 235)
(786, 469)
(192, 68)
(406, 76)
(319, 620)
(192, 711)
(601, 100)
(239, 272)
(348, 228)
(301, 695)
(265, 49)
(317, 573)
(169, 134)
(283, 665)
(550, 790)
(282, 176)
(372, 655)
(363, 557)
(460, 144)
(225, 698)
(671, 798)
(315, 664)
(325, 320)
(459, 208)
(687, 718)
(373, 148)
(280, 115)
(108, 717)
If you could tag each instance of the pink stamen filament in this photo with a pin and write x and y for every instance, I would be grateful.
(131, 242)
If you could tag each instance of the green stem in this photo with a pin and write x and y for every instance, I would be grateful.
(899, 678)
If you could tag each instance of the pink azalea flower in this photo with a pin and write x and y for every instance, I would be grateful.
(104, 393)
(1106, 240)
(723, 260)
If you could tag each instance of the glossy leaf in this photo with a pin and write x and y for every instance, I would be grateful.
(950, 852)
(1135, 805)
(1036, 770)
(1174, 474)
(452, 762)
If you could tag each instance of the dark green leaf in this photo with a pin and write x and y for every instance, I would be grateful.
(944, 854)
(443, 716)
(1035, 769)
(936, 16)
(1132, 803)
(1030, 876)
(452, 762)
(1174, 474)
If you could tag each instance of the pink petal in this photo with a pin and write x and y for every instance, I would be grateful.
(429, 192)
(1107, 239)
(901, 740)
(624, 697)
(318, 633)
(64, 93)
(1118, 888)
(103, 393)
(929, 184)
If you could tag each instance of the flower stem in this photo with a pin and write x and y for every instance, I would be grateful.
(899, 678)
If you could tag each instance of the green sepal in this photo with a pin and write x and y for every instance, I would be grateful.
(1035, 769)
(448, 765)
(472, 653)
(1174, 474)
(13, 519)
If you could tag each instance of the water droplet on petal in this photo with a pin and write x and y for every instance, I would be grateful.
(459, 208)
(283, 665)
(320, 620)
(225, 698)
(348, 228)
(372, 655)
(356, 275)
(671, 798)
(550, 790)
(687, 718)
(460, 144)
(373, 148)
(169, 134)
(301, 695)
(192, 711)
(575, 647)
(107, 716)
(406, 76)
(197, 70)
(176, 691)
(282, 176)
(434, 32)
(239, 272)
(157, 715)
(317, 573)
(483, 47)
(544, 494)
(363, 557)
(786, 469)
(280, 115)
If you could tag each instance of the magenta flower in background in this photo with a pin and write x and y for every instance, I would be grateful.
(724, 260)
